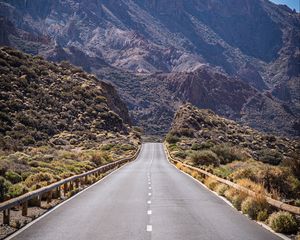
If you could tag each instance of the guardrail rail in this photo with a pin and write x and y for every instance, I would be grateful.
(271, 201)
(56, 188)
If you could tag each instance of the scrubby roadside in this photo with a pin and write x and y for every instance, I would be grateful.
(56, 121)
(266, 164)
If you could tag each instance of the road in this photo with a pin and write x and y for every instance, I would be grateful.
(146, 199)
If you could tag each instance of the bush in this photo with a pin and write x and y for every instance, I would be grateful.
(230, 193)
(262, 215)
(238, 199)
(248, 184)
(97, 158)
(252, 206)
(221, 189)
(13, 177)
(4, 187)
(17, 190)
(205, 157)
(243, 173)
(227, 153)
(270, 156)
(38, 178)
(283, 222)
(222, 171)
(196, 146)
(170, 138)
(180, 154)
(211, 183)
(279, 179)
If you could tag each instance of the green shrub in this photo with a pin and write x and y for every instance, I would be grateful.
(270, 156)
(170, 138)
(180, 154)
(252, 206)
(222, 171)
(4, 187)
(196, 146)
(13, 177)
(227, 153)
(283, 222)
(262, 215)
(107, 147)
(17, 190)
(127, 147)
(205, 157)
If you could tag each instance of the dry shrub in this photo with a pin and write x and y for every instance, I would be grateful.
(221, 189)
(255, 187)
(230, 193)
(211, 183)
(238, 199)
(252, 206)
(179, 165)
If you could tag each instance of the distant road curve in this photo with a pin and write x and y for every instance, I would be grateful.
(146, 199)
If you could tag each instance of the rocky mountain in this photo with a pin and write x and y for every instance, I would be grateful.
(45, 103)
(151, 48)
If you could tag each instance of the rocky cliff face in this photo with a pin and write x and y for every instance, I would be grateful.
(252, 41)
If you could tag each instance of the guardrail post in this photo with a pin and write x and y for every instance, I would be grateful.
(6, 216)
(65, 189)
(85, 179)
(77, 183)
(71, 186)
(39, 201)
(58, 195)
(24, 209)
(49, 197)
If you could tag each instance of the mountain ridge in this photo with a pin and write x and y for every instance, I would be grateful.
(256, 42)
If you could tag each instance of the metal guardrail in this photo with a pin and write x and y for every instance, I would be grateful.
(271, 201)
(67, 183)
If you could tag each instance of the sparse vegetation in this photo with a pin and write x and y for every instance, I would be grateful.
(237, 153)
(265, 164)
(56, 121)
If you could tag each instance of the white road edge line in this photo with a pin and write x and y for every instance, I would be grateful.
(64, 202)
(228, 202)
(149, 228)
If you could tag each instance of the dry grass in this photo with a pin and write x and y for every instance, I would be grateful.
(211, 183)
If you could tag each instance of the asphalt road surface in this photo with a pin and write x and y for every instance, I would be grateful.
(146, 199)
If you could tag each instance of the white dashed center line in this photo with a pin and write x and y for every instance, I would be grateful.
(149, 212)
(149, 202)
(150, 188)
(149, 194)
(149, 228)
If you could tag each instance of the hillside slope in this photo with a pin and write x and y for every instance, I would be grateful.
(40, 100)
(233, 151)
(56, 121)
(142, 45)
